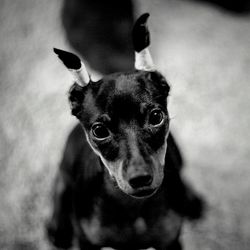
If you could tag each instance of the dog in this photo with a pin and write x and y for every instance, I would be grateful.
(119, 184)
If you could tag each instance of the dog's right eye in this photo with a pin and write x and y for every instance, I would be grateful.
(100, 131)
(156, 117)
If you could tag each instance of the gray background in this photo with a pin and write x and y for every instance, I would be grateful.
(204, 53)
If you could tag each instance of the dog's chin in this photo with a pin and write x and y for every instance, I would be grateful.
(143, 193)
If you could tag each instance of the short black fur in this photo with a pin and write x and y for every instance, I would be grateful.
(140, 33)
(89, 204)
(70, 60)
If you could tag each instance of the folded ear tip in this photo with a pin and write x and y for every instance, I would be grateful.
(60, 52)
(56, 50)
(140, 33)
(145, 15)
(69, 59)
(143, 18)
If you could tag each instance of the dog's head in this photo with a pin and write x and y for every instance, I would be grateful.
(125, 117)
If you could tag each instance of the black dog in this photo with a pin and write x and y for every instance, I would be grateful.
(119, 185)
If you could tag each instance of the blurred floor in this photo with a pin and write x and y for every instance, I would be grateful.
(203, 52)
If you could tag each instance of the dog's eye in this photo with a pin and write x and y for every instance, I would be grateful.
(100, 131)
(156, 117)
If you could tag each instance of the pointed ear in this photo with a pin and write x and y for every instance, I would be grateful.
(76, 96)
(75, 66)
(141, 42)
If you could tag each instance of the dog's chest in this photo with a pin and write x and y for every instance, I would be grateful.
(122, 229)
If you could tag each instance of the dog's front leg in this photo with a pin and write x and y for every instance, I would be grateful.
(176, 245)
(86, 245)
(59, 228)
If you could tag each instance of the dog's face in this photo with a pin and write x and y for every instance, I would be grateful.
(125, 117)
(126, 122)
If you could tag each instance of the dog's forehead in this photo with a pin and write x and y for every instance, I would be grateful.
(123, 96)
(128, 83)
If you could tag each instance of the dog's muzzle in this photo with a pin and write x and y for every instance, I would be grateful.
(141, 185)
(142, 180)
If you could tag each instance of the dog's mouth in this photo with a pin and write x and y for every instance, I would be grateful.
(144, 192)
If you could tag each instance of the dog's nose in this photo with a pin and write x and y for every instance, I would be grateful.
(140, 181)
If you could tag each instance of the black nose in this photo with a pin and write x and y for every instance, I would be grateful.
(140, 181)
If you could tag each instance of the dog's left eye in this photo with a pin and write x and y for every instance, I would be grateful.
(100, 131)
(156, 117)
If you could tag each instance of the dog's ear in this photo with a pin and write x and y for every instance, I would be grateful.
(75, 66)
(141, 42)
(76, 96)
(81, 78)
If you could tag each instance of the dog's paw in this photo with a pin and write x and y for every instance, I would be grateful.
(59, 236)
(194, 207)
(187, 202)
